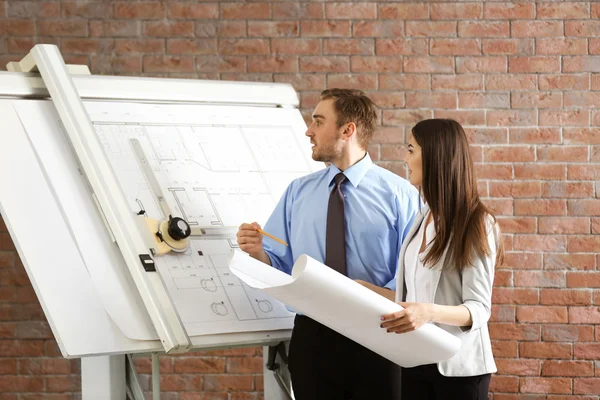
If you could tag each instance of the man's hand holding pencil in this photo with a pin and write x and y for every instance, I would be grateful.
(250, 240)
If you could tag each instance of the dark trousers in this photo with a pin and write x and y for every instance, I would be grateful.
(325, 365)
(426, 383)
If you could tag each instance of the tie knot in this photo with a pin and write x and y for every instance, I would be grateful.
(340, 178)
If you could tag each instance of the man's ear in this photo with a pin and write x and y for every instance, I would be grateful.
(349, 130)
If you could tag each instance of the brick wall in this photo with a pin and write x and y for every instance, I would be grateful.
(524, 78)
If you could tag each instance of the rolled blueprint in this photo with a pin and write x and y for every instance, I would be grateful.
(347, 307)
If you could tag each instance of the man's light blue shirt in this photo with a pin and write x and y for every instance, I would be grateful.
(379, 209)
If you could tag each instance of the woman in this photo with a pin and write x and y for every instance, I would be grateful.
(446, 266)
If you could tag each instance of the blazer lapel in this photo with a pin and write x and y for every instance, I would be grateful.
(400, 286)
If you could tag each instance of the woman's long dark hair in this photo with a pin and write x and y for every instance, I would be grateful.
(450, 189)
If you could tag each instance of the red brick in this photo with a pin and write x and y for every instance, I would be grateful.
(350, 46)
(296, 46)
(456, 47)
(303, 81)
(200, 365)
(587, 351)
(584, 315)
(584, 207)
(578, 279)
(296, 11)
(494, 171)
(44, 366)
(594, 46)
(324, 64)
(540, 243)
(564, 82)
(276, 29)
(545, 385)
(565, 154)
(507, 384)
(583, 172)
(137, 46)
(581, 64)
(245, 365)
(144, 10)
(511, 82)
(168, 29)
(404, 117)
(466, 118)
(508, 46)
(535, 135)
(511, 117)
(504, 278)
(586, 386)
(560, 46)
(502, 295)
(21, 348)
(231, 383)
(353, 81)
(375, 64)
(221, 29)
(351, 11)
(500, 206)
(540, 207)
(582, 99)
(536, 100)
(251, 77)
(568, 189)
(430, 100)
(392, 152)
(107, 64)
(21, 383)
(518, 367)
(245, 11)
(487, 135)
(542, 314)
(537, 28)
(505, 348)
(456, 11)
(325, 28)
(403, 82)
(143, 364)
(584, 244)
(537, 64)
(404, 11)
(545, 350)
(202, 396)
(429, 64)
(512, 331)
(564, 225)
(272, 64)
(509, 154)
(178, 382)
(377, 29)
(588, 28)
(508, 11)
(563, 11)
(483, 29)
(558, 117)
(567, 333)
(395, 47)
(457, 82)
(168, 64)
(431, 29)
(29, 9)
(515, 224)
(389, 135)
(539, 279)
(243, 46)
(116, 28)
(569, 261)
(193, 11)
(192, 46)
(61, 28)
(481, 64)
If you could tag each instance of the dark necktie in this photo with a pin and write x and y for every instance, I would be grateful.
(335, 241)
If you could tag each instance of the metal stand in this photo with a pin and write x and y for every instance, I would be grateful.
(103, 378)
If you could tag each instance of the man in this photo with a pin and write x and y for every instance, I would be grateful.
(352, 216)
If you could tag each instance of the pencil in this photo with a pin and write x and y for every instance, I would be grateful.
(271, 236)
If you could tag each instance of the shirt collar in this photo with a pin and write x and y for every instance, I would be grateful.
(355, 173)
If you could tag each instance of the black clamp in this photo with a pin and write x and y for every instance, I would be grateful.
(272, 356)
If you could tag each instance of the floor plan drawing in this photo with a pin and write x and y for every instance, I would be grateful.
(212, 175)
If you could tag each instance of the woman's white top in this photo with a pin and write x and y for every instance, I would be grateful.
(419, 278)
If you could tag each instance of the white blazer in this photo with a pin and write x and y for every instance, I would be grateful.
(472, 288)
